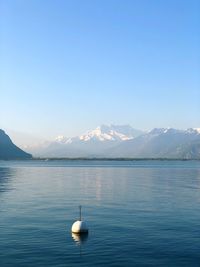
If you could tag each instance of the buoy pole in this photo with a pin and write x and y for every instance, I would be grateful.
(79, 226)
(80, 212)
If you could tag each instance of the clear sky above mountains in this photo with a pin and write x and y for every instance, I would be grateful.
(68, 66)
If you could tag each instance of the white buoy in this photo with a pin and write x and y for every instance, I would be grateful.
(79, 226)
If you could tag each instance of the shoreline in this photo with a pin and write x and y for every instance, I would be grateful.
(101, 159)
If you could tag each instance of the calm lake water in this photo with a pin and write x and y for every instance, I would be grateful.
(140, 213)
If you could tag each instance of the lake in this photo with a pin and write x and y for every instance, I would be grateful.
(139, 213)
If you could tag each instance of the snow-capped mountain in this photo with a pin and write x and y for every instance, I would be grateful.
(161, 143)
(193, 130)
(109, 133)
(91, 143)
(124, 141)
(103, 133)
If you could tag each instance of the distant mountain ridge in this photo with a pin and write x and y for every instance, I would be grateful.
(162, 143)
(91, 144)
(104, 133)
(117, 141)
(8, 150)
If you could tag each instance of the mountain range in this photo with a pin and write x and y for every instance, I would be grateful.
(8, 150)
(123, 141)
(162, 143)
(93, 143)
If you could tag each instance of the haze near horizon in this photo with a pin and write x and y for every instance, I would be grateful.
(69, 66)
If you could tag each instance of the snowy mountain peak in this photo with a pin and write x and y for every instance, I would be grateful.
(111, 133)
(197, 129)
(60, 139)
(193, 130)
(157, 131)
(103, 133)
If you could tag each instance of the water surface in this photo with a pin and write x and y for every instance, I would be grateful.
(140, 213)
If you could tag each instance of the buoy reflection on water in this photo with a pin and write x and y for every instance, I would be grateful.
(80, 239)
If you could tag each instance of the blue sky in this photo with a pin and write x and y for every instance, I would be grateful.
(68, 66)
